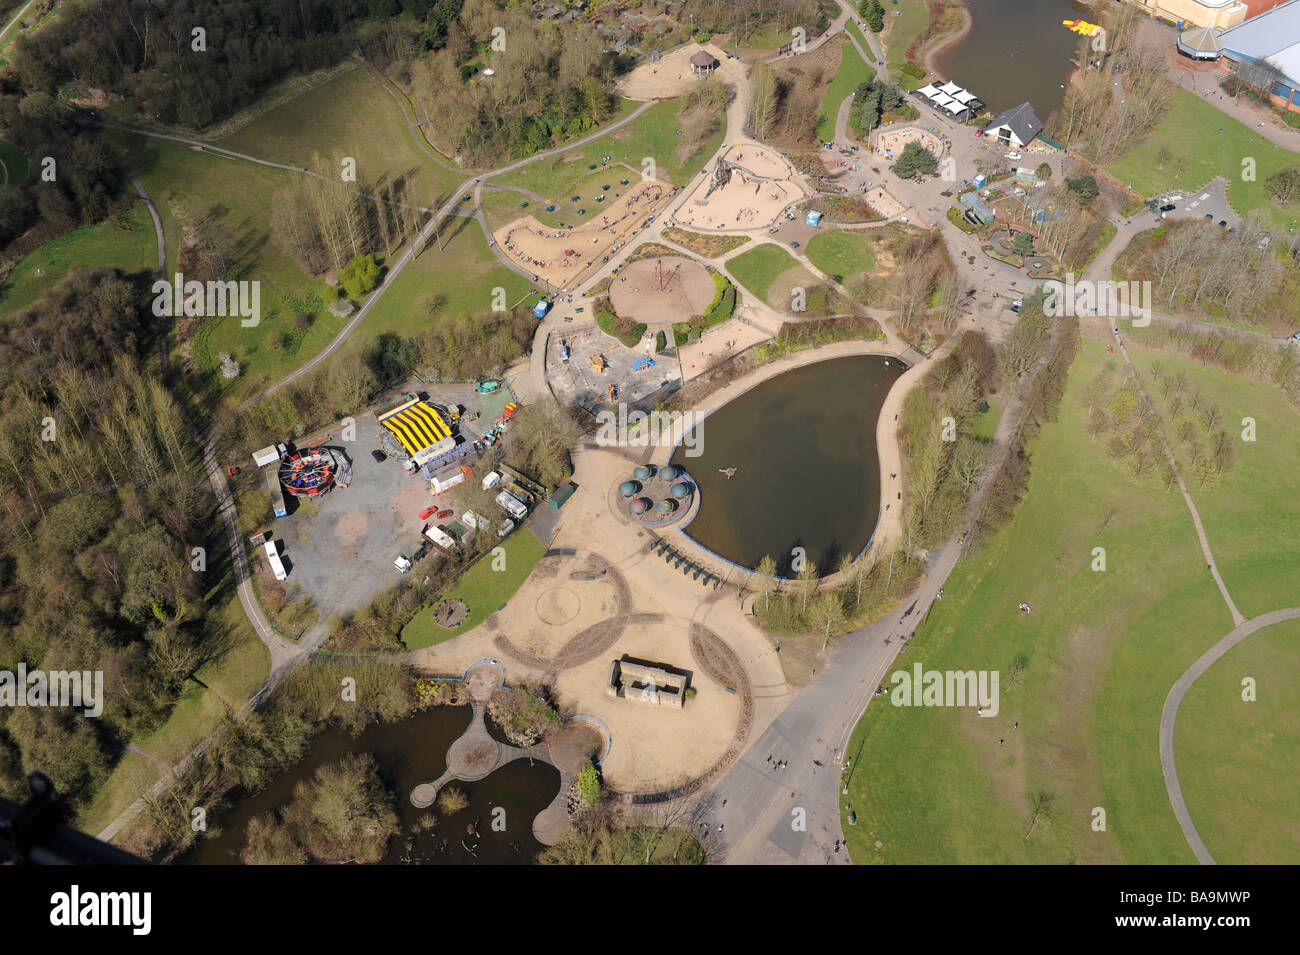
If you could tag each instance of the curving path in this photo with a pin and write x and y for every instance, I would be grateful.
(1169, 713)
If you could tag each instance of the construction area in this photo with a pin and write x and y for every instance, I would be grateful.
(588, 368)
(662, 290)
(749, 187)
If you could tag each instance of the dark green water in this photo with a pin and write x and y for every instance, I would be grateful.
(804, 446)
(1017, 50)
(411, 752)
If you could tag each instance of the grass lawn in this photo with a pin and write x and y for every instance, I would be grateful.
(652, 134)
(760, 267)
(899, 33)
(1190, 132)
(852, 26)
(852, 73)
(241, 195)
(442, 286)
(986, 423)
(1084, 676)
(586, 189)
(229, 680)
(483, 589)
(1221, 741)
(354, 116)
(506, 205)
(1252, 516)
(15, 165)
(124, 242)
(842, 255)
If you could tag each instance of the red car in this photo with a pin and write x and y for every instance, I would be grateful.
(427, 513)
(443, 515)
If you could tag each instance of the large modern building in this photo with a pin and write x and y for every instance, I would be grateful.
(1272, 39)
(1215, 14)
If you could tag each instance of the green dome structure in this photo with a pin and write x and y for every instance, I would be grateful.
(670, 472)
(681, 490)
(640, 505)
(643, 472)
(628, 488)
(666, 506)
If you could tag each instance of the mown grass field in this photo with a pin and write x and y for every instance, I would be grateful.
(653, 134)
(1236, 759)
(900, 31)
(442, 286)
(1252, 515)
(483, 589)
(586, 189)
(1207, 143)
(852, 73)
(124, 242)
(240, 195)
(842, 255)
(758, 268)
(351, 116)
(1083, 677)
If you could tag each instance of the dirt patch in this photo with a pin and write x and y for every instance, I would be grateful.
(662, 290)
(351, 527)
(624, 133)
(573, 156)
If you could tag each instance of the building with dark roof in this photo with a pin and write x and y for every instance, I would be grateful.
(1018, 125)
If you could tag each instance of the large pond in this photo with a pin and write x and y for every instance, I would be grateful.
(1017, 50)
(411, 752)
(807, 474)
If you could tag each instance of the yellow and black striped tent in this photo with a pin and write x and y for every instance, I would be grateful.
(417, 426)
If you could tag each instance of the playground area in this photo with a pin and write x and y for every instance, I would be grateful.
(880, 200)
(589, 368)
(749, 187)
(564, 256)
(671, 75)
(891, 142)
(660, 291)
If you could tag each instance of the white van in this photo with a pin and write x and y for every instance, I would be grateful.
(491, 480)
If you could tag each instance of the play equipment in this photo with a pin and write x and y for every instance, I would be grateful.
(487, 386)
(643, 363)
(309, 472)
(599, 364)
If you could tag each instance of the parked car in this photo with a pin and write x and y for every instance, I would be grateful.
(1210, 216)
(1017, 305)
(1168, 207)
(444, 514)
(378, 455)
(428, 512)
(1013, 156)
(1223, 223)
(794, 245)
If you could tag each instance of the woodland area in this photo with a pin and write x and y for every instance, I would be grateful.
(104, 504)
